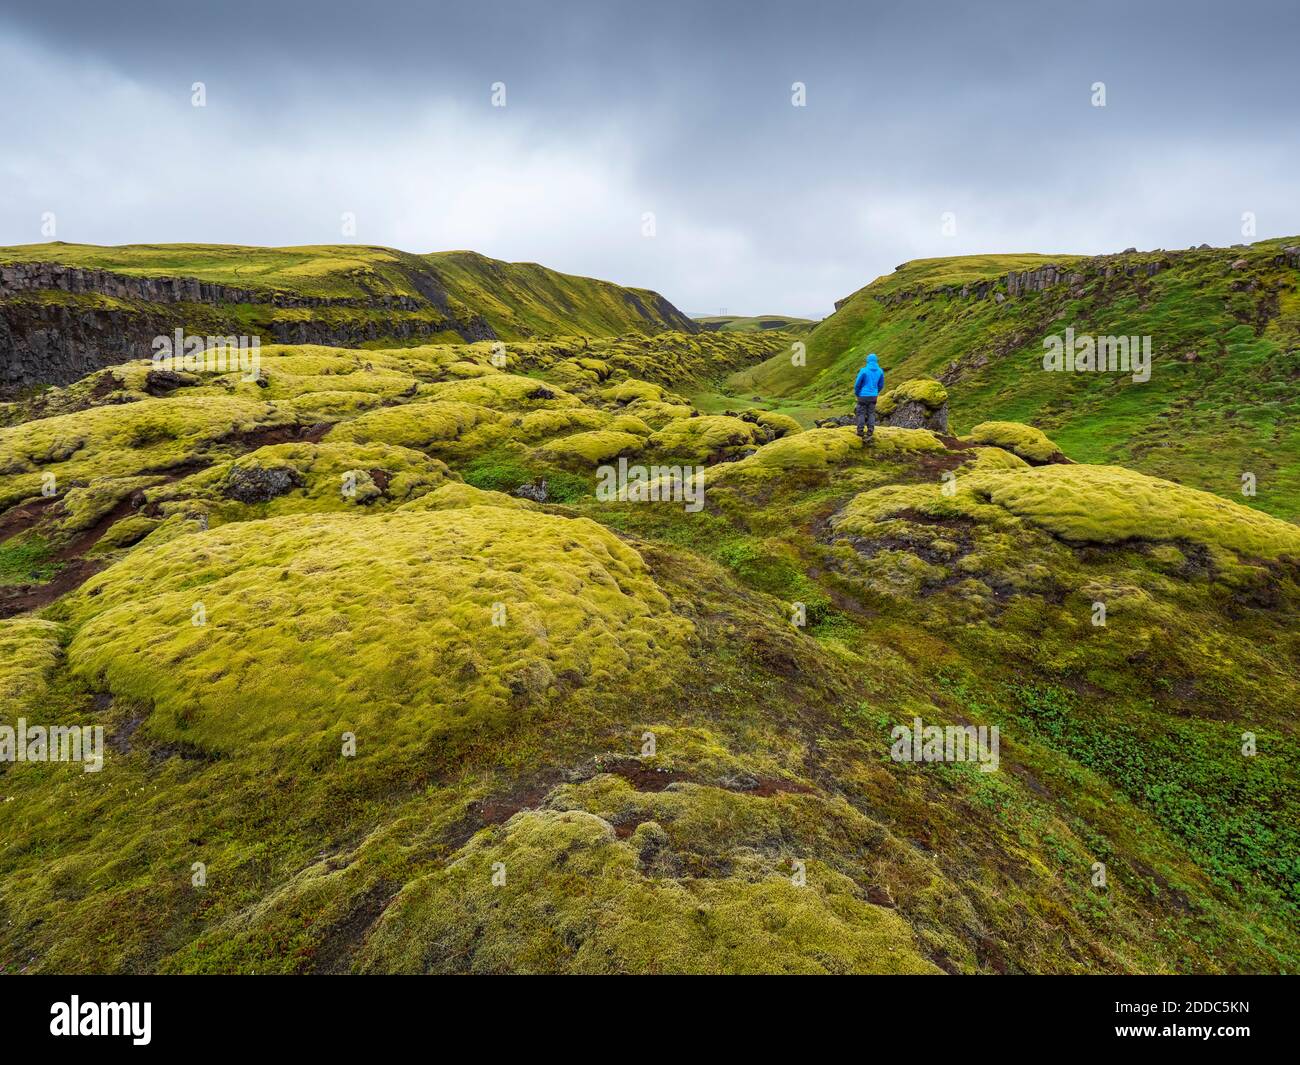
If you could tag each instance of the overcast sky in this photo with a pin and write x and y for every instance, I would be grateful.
(682, 110)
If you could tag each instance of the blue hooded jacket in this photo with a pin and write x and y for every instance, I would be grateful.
(871, 379)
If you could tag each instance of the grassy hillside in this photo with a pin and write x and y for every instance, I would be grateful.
(730, 323)
(524, 299)
(517, 300)
(1225, 334)
(403, 718)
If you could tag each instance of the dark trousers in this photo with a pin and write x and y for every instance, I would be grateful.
(867, 413)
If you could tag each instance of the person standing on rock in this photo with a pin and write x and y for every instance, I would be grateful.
(871, 379)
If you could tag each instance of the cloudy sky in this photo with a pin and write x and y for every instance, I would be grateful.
(678, 109)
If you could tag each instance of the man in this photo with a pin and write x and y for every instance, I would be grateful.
(871, 379)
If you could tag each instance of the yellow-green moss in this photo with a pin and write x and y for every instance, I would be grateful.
(122, 440)
(128, 531)
(595, 447)
(994, 458)
(504, 392)
(923, 390)
(623, 920)
(1098, 504)
(29, 650)
(380, 625)
(84, 505)
(657, 414)
(705, 437)
(456, 494)
(781, 424)
(541, 424)
(1107, 504)
(415, 425)
(1024, 440)
(822, 448)
(331, 405)
(331, 475)
(632, 390)
(629, 423)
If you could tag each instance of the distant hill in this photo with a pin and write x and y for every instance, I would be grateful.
(1224, 327)
(730, 323)
(66, 309)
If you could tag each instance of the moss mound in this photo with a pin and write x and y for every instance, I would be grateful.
(1090, 504)
(780, 424)
(821, 448)
(705, 437)
(1023, 440)
(924, 390)
(625, 919)
(385, 624)
(132, 438)
(592, 448)
(455, 495)
(504, 392)
(1109, 504)
(297, 478)
(416, 425)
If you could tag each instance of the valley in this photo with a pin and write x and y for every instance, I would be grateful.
(377, 642)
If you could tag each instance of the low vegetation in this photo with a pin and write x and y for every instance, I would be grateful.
(388, 687)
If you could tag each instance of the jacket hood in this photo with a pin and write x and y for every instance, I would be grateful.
(871, 360)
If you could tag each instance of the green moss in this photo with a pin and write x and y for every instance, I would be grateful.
(623, 920)
(1023, 440)
(781, 424)
(299, 614)
(962, 599)
(602, 445)
(1108, 504)
(123, 440)
(657, 415)
(507, 470)
(541, 424)
(26, 560)
(454, 496)
(130, 530)
(504, 392)
(29, 651)
(709, 436)
(416, 425)
(994, 458)
(823, 448)
(924, 390)
(632, 391)
(1097, 504)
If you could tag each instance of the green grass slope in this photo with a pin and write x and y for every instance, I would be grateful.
(730, 323)
(517, 300)
(524, 299)
(1221, 401)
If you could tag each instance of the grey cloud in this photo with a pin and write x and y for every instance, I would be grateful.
(678, 108)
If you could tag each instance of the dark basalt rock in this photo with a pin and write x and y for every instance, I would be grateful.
(536, 492)
(55, 343)
(908, 414)
(256, 484)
